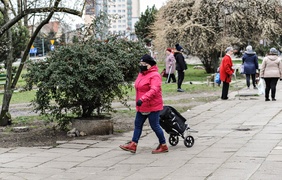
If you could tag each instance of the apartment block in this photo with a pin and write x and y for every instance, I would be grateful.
(124, 14)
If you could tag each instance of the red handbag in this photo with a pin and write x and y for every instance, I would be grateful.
(163, 74)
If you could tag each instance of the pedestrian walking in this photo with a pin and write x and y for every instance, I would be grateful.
(149, 103)
(226, 72)
(250, 63)
(170, 66)
(271, 71)
(181, 66)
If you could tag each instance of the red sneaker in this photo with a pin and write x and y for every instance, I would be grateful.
(162, 148)
(130, 146)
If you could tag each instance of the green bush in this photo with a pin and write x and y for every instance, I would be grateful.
(87, 76)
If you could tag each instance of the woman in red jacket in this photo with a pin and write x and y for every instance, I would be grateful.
(226, 72)
(149, 103)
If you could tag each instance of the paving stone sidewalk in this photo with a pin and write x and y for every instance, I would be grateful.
(238, 138)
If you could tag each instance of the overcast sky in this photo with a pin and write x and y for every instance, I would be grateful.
(150, 3)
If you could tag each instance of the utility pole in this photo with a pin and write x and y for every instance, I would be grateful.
(43, 47)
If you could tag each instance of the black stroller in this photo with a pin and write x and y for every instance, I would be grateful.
(174, 124)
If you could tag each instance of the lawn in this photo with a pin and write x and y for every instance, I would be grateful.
(191, 75)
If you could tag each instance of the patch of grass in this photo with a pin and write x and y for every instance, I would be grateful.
(21, 81)
(26, 120)
(170, 89)
(21, 97)
(239, 61)
(191, 74)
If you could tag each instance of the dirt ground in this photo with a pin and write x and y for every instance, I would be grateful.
(40, 134)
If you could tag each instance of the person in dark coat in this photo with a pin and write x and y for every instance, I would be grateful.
(180, 66)
(250, 62)
(226, 72)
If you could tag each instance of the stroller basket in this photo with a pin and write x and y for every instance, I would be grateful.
(174, 124)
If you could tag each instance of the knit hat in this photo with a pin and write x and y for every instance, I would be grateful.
(249, 50)
(228, 49)
(168, 49)
(273, 51)
(148, 59)
(178, 47)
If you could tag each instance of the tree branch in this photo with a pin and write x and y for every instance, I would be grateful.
(9, 24)
(26, 52)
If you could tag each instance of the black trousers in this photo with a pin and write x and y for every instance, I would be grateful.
(253, 79)
(180, 79)
(225, 88)
(171, 77)
(270, 84)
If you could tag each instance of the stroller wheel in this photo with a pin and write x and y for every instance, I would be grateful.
(189, 141)
(173, 140)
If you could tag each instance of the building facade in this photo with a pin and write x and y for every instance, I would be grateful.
(123, 14)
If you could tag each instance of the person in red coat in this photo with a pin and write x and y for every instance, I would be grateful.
(226, 72)
(149, 103)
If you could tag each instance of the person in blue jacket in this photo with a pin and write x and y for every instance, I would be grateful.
(250, 62)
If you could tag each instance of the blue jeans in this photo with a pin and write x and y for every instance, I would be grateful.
(154, 123)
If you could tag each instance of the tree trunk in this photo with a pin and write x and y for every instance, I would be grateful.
(211, 62)
(4, 116)
(9, 86)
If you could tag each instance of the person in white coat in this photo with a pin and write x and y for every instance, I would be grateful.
(271, 71)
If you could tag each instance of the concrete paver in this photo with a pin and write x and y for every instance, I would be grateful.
(239, 139)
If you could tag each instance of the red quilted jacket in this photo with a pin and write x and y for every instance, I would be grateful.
(225, 69)
(148, 86)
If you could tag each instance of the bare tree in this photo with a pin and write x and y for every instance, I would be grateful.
(12, 16)
(207, 27)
